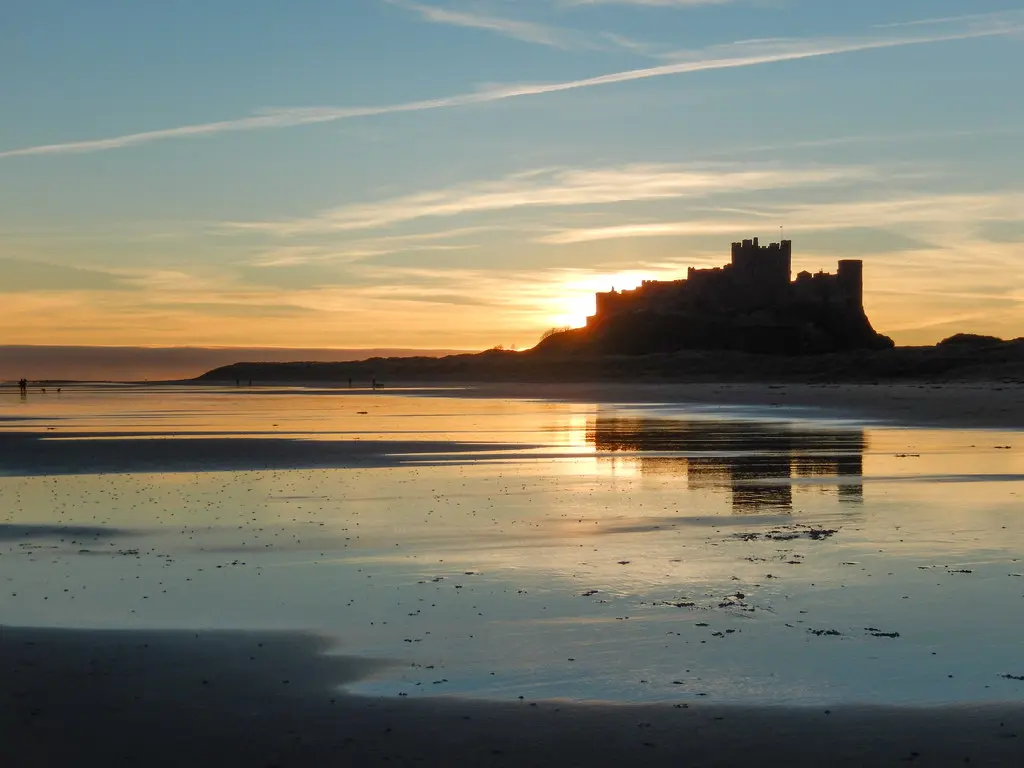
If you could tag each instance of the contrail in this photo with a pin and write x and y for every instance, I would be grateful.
(310, 115)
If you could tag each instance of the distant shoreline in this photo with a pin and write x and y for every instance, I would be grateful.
(974, 359)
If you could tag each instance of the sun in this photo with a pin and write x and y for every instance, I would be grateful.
(574, 301)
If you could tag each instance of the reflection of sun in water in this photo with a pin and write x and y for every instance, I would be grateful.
(573, 435)
(574, 299)
(576, 431)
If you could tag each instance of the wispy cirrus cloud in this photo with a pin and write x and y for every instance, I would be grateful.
(526, 31)
(965, 17)
(289, 255)
(737, 55)
(557, 188)
(529, 31)
(785, 48)
(644, 229)
(345, 254)
(938, 214)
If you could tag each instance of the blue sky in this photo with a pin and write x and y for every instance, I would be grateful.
(466, 173)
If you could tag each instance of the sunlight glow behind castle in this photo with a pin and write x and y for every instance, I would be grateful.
(758, 277)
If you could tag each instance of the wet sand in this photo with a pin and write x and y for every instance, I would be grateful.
(34, 453)
(974, 404)
(986, 405)
(85, 698)
(454, 541)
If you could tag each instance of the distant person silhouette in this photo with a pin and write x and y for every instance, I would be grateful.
(350, 382)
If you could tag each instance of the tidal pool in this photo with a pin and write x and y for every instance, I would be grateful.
(515, 548)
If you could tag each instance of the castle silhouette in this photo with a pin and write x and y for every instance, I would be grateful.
(751, 304)
(758, 463)
(758, 277)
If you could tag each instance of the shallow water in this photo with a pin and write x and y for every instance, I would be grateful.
(506, 548)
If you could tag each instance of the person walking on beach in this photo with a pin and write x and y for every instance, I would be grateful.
(23, 386)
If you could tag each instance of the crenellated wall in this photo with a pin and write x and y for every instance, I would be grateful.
(763, 268)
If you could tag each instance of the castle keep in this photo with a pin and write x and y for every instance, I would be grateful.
(751, 304)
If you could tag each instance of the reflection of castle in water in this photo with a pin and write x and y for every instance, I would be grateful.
(756, 461)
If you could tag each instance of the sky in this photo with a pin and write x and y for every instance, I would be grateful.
(461, 174)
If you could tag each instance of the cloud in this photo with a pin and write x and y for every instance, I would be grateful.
(640, 48)
(529, 31)
(1007, 231)
(419, 293)
(652, 229)
(960, 212)
(894, 138)
(970, 17)
(344, 254)
(232, 309)
(947, 29)
(933, 214)
(366, 247)
(526, 31)
(748, 54)
(22, 275)
(557, 188)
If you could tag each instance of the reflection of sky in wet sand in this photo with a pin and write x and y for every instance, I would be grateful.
(629, 557)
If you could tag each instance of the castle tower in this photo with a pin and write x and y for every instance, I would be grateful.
(762, 273)
(785, 260)
(850, 279)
